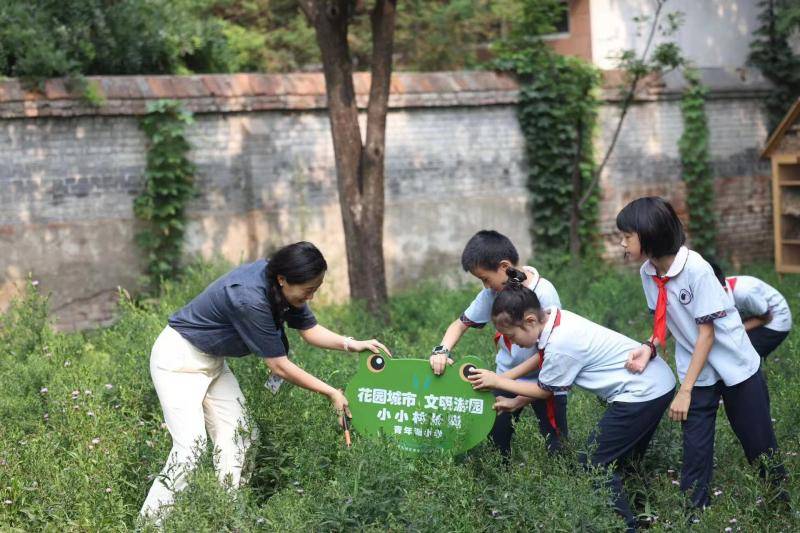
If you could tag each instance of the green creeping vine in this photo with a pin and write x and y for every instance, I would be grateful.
(169, 185)
(557, 112)
(696, 162)
(771, 52)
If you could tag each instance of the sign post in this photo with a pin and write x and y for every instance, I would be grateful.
(403, 399)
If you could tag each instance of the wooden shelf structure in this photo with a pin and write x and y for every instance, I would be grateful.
(783, 149)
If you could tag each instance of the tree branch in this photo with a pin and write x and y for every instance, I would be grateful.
(625, 106)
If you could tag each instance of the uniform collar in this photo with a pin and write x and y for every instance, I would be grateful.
(544, 337)
(677, 265)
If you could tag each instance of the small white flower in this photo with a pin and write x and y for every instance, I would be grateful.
(87, 392)
(35, 283)
(675, 482)
(728, 529)
(717, 492)
(108, 490)
(163, 425)
(670, 471)
(43, 390)
(7, 502)
(91, 447)
(46, 416)
(96, 440)
(76, 406)
(89, 413)
(67, 363)
(116, 406)
(109, 386)
(732, 521)
(773, 420)
(75, 394)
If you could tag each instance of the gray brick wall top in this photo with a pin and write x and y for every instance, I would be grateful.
(214, 93)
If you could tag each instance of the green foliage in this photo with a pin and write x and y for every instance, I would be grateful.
(696, 163)
(46, 38)
(96, 385)
(771, 52)
(557, 112)
(169, 185)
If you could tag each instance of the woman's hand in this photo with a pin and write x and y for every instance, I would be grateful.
(483, 379)
(372, 345)
(679, 409)
(340, 405)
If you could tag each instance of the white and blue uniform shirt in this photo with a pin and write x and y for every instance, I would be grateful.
(479, 313)
(579, 352)
(753, 297)
(695, 296)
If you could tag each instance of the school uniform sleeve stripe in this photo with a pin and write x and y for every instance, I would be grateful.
(469, 323)
(710, 318)
(554, 388)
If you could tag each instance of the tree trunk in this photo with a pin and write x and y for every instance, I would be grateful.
(359, 168)
(577, 189)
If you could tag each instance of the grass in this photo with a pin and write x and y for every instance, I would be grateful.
(81, 433)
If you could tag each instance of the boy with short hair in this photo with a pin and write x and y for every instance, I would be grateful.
(487, 256)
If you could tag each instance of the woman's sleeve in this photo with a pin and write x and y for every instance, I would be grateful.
(255, 324)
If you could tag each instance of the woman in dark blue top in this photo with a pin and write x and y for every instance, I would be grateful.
(245, 311)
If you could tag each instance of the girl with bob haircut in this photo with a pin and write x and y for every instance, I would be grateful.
(245, 311)
(713, 354)
(576, 351)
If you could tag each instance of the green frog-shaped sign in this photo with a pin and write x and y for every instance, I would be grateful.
(403, 399)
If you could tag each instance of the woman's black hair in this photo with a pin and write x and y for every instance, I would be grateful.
(655, 221)
(300, 262)
(486, 249)
(515, 299)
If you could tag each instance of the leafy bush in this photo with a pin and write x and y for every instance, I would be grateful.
(88, 464)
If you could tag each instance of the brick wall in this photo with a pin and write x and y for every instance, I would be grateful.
(69, 173)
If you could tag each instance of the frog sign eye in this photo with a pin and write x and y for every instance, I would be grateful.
(376, 362)
(466, 371)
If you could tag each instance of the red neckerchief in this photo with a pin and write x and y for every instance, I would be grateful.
(732, 283)
(660, 322)
(551, 401)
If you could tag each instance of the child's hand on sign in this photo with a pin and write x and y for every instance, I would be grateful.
(483, 379)
(439, 362)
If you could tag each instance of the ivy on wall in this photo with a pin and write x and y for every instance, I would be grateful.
(771, 52)
(693, 147)
(169, 185)
(557, 112)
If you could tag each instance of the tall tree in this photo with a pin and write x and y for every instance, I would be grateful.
(359, 166)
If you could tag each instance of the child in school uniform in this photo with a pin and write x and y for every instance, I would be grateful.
(576, 351)
(487, 256)
(764, 311)
(713, 355)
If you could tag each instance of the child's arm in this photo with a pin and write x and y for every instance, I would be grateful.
(451, 337)
(679, 409)
(523, 369)
(757, 321)
(486, 379)
(503, 404)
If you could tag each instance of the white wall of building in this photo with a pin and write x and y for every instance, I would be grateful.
(715, 33)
